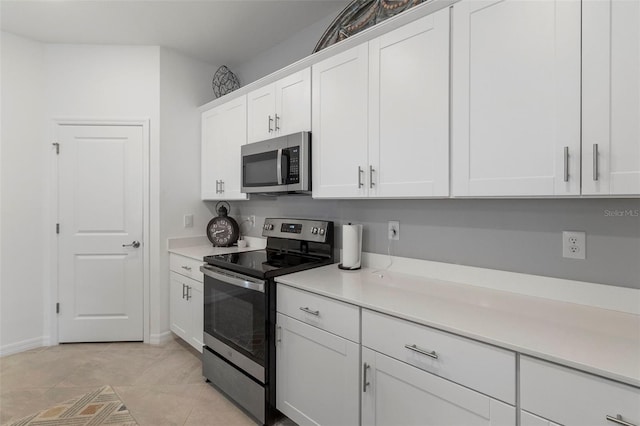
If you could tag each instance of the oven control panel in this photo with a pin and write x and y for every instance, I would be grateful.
(298, 229)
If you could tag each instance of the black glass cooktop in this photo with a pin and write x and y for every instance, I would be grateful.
(266, 263)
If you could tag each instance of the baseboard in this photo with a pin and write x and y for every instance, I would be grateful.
(160, 338)
(25, 345)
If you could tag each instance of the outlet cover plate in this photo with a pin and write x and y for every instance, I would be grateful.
(393, 230)
(574, 244)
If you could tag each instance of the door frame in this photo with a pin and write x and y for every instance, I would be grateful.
(50, 300)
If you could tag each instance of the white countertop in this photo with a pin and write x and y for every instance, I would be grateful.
(600, 341)
(201, 247)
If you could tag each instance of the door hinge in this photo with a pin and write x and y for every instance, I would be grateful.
(57, 308)
(57, 228)
(57, 145)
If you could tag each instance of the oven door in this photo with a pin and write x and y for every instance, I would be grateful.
(235, 319)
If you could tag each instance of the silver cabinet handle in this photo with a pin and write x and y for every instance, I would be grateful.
(360, 184)
(134, 244)
(221, 186)
(186, 268)
(618, 419)
(277, 120)
(414, 348)
(365, 383)
(278, 334)
(371, 170)
(270, 121)
(217, 187)
(309, 311)
(184, 295)
(566, 164)
(188, 292)
(595, 161)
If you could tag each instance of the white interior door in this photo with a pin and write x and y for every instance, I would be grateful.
(101, 208)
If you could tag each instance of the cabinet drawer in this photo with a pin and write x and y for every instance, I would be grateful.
(571, 397)
(327, 314)
(186, 266)
(482, 367)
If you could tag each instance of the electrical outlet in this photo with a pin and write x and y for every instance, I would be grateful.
(574, 244)
(252, 220)
(393, 230)
(188, 221)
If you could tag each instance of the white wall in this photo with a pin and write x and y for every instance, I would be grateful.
(185, 84)
(24, 156)
(296, 47)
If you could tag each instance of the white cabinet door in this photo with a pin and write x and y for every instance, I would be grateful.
(317, 375)
(179, 313)
(611, 97)
(196, 310)
(293, 103)
(409, 110)
(528, 419)
(339, 125)
(224, 131)
(395, 393)
(281, 108)
(516, 98)
(261, 113)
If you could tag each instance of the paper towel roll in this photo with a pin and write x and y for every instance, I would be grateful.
(351, 246)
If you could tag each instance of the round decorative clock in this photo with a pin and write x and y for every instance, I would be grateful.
(223, 230)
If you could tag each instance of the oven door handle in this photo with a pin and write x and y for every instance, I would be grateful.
(232, 279)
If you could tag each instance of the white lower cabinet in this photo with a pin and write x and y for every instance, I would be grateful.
(395, 393)
(317, 375)
(572, 397)
(186, 301)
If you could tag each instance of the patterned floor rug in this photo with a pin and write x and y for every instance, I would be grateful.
(99, 407)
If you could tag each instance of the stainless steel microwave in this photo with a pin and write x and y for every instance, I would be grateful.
(279, 165)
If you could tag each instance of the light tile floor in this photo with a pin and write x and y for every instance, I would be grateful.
(159, 384)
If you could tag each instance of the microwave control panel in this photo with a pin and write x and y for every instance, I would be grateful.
(294, 165)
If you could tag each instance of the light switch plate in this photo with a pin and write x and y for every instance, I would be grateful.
(188, 221)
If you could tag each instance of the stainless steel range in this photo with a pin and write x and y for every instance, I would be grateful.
(240, 309)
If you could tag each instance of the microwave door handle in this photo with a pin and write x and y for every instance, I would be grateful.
(279, 167)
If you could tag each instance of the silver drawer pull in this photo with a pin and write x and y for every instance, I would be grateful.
(186, 268)
(618, 419)
(595, 163)
(414, 348)
(365, 382)
(309, 311)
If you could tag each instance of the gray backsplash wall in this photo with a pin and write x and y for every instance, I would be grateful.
(513, 235)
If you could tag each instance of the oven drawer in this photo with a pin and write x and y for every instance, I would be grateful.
(572, 397)
(479, 366)
(327, 314)
(186, 266)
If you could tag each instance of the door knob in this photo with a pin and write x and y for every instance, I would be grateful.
(134, 244)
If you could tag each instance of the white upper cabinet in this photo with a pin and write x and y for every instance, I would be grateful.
(611, 97)
(381, 115)
(280, 108)
(409, 110)
(224, 131)
(516, 98)
(339, 123)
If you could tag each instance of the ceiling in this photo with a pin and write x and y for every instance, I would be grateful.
(215, 31)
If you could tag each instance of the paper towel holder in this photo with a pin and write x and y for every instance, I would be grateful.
(348, 269)
(353, 268)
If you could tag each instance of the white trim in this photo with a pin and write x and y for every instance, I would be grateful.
(25, 345)
(160, 338)
(610, 297)
(50, 302)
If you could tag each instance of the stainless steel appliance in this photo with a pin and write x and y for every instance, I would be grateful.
(240, 309)
(278, 165)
